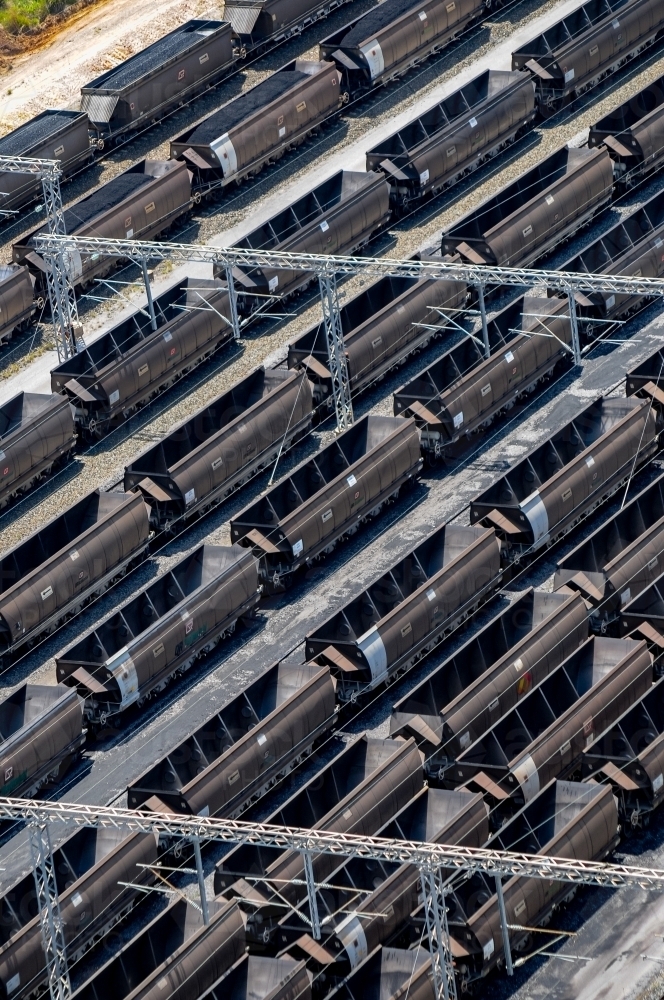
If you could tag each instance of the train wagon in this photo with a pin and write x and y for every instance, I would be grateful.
(437, 148)
(404, 613)
(224, 444)
(17, 298)
(266, 23)
(42, 732)
(394, 36)
(620, 558)
(328, 496)
(134, 361)
(51, 135)
(138, 204)
(358, 791)
(461, 393)
(567, 820)
(537, 630)
(260, 977)
(586, 45)
(175, 949)
(435, 815)
(337, 216)
(641, 379)
(162, 631)
(382, 326)
(390, 974)
(643, 616)
(144, 88)
(36, 433)
(58, 568)
(544, 735)
(99, 874)
(535, 213)
(560, 482)
(634, 134)
(241, 750)
(634, 246)
(259, 125)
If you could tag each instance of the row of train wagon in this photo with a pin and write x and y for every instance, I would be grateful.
(427, 155)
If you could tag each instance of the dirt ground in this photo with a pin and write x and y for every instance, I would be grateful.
(94, 39)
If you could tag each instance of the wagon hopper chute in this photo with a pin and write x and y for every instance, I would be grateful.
(394, 36)
(143, 88)
(17, 298)
(466, 694)
(68, 561)
(241, 750)
(390, 974)
(405, 612)
(381, 326)
(633, 247)
(337, 216)
(566, 820)
(453, 137)
(544, 735)
(259, 977)
(641, 379)
(259, 125)
(326, 497)
(228, 441)
(36, 433)
(540, 498)
(161, 631)
(359, 791)
(176, 955)
(634, 134)
(52, 135)
(462, 392)
(138, 204)
(90, 869)
(643, 616)
(536, 212)
(619, 559)
(131, 362)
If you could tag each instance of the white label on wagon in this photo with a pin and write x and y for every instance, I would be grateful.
(527, 231)
(2, 454)
(509, 357)
(549, 199)
(464, 740)
(73, 555)
(657, 782)
(297, 547)
(168, 336)
(46, 593)
(261, 739)
(204, 58)
(282, 131)
(114, 396)
(610, 302)
(590, 461)
(351, 480)
(424, 176)
(625, 596)
(77, 899)
(13, 983)
(488, 949)
(458, 419)
(658, 242)
(324, 226)
(569, 75)
(473, 122)
(190, 496)
(273, 283)
(422, 15)
(431, 594)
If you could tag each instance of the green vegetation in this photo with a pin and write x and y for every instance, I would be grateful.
(17, 15)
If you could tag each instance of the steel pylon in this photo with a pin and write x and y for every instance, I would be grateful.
(52, 931)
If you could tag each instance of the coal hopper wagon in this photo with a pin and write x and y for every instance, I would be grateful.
(261, 977)
(137, 359)
(567, 820)
(68, 562)
(392, 37)
(100, 875)
(144, 88)
(460, 394)
(51, 135)
(560, 482)
(358, 791)
(36, 434)
(138, 204)
(634, 134)
(18, 302)
(175, 948)
(213, 452)
(404, 613)
(382, 326)
(633, 247)
(337, 216)
(327, 497)
(544, 735)
(587, 45)
(241, 751)
(389, 974)
(619, 559)
(162, 631)
(260, 125)
(643, 617)
(535, 213)
(452, 138)
(646, 377)
(489, 674)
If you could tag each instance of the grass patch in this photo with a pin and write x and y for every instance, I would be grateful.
(18, 15)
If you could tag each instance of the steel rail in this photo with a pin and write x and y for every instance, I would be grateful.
(324, 264)
(427, 857)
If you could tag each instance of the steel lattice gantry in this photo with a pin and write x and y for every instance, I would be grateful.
(327, 268)
(62, 298)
